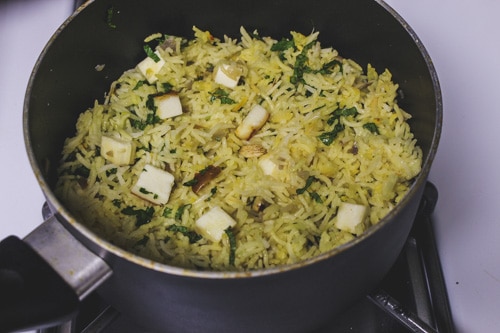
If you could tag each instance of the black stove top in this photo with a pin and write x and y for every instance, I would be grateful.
(412, 297)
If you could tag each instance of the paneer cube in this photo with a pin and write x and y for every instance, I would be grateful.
(268, 166)
(228, 74)
(213, 224)
(117, 151)
(168, 105)
(351, 217)
(154, 185)
(254, 121)
(149, 67)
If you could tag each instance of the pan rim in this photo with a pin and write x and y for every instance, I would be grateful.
(66, 218)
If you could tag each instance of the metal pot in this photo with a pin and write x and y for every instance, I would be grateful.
(295, 298)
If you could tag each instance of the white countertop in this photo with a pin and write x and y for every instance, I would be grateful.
(462, 39)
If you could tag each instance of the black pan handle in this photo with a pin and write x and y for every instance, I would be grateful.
(32, 294)
(44, 277)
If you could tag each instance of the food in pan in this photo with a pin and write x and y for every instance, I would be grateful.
(226, 154)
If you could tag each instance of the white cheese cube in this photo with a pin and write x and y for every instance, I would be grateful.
(268, 166)
(351, 217)
(213, 224)
(228, 74)
(149, 67)
(223, 79)
(154, 185)
(168, 105)
(117, 151)
(254, 121)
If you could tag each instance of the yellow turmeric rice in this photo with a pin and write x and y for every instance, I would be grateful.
(225, 154)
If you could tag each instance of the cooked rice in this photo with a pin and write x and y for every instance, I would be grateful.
(359, 166)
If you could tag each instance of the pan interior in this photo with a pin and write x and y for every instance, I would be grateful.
(65, 81)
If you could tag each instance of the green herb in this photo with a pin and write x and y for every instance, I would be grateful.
(193, 236)
(372, 127)
(109, 17)
(345, 112)
(191, 182)
(143, 216)
(309, 181)
(144, 191)
(139, 84)
(150, 102)
(71, 156)
(315, 196)
(140, 125)
(328, 137)
(329, 66)
(299, 68)
(117, 203)
(151, 117)
(82, 171)
(213, 191)
(232, 245)
(167, 87)
(167, 212)
(150, 53)
(221, 95)
(283, 45)
(143, 241)
(180, 211)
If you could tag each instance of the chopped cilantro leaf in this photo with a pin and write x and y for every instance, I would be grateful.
(180, 211)
(110, 12)
(315, 196)
(282, 45)
(328, 137)
(221, 95)
(372, 127)
(191, 182)
(193, 236)
(167, 212)
(82, 171)
(143, 216)
(143, 241)
(139, 84)
(167, 87)
(232, 245)
(300, 67)
(309, 181)
(150, 53)
(150, 102)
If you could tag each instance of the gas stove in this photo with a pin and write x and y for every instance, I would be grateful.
(464, 170)
(411, 298)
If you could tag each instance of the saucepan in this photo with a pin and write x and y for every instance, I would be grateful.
(44, 276)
